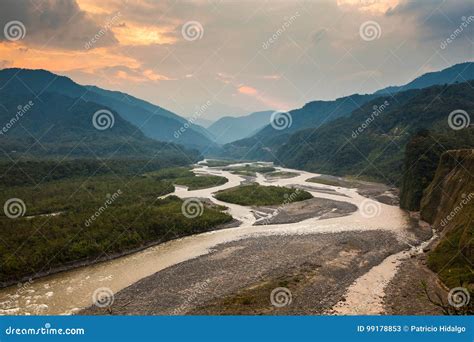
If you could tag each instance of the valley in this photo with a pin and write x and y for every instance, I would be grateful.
(234, 270)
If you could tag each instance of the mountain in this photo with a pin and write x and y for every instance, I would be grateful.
(230, 128)
(154, 121)
(371, 142)
(264, 144)
(56, 125)
(200, 121)
(457, 73)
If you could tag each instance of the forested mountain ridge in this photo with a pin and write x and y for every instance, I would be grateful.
(458, 73)
(372, 142)
(55, 125)
(154, 121)
(265, 143)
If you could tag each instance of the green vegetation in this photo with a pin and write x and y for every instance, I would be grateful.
(281, 174)
(34, 171)
(448, 204)
(255, 194)
(184, 176)
(219, 162)
(422, 156)
(67, 130)
(99, 216)
(373, 145)
(250, 169)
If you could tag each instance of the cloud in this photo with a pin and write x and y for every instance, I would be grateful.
(247, 90)
(5, 64)
(369, 6)
(53, 23)
(268, 101)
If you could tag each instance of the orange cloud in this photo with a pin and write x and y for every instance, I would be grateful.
(134, 35)
(248, 90)
(138, 76)
(266, 100)
(63, 60)
(371, 6)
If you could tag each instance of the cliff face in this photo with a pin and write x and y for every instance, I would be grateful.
(448, 204)
(422, 156)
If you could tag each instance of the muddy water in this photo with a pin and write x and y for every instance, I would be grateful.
(67, 292)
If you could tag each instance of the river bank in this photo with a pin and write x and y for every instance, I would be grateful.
(358, 240)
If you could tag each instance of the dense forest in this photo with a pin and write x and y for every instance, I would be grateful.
(255, 194)
(73, 215)
(371, 142)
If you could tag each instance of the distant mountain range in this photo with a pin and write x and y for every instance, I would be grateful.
(146, 128)
(154, 121)
(229, 128)
(371, 142)
(267, 143)
(42, 121)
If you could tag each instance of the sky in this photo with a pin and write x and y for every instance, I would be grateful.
(237, 56)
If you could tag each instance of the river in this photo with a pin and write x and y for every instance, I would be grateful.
(68, 292)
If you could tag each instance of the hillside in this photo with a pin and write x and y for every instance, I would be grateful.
(422, 155)
(371, 142)
(448, 204)
(155, 122)
(457, 73)
(229, 128)
(54, 125)
(265, 143)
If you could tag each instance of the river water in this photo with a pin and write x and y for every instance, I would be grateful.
(68, 292)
